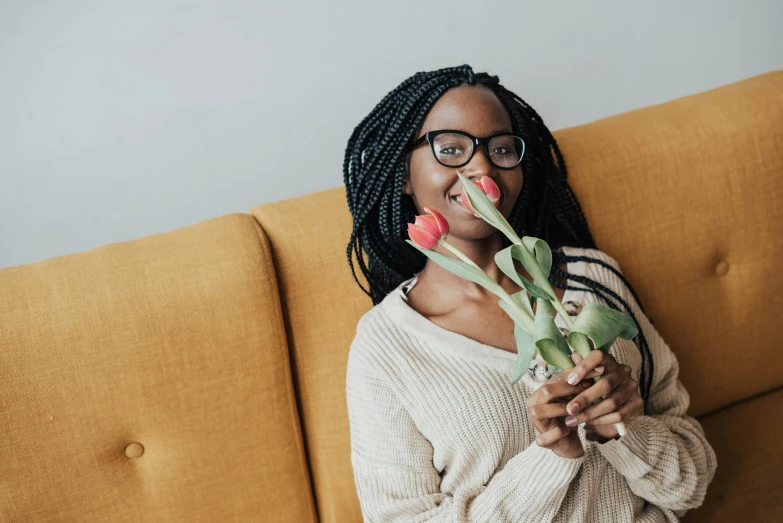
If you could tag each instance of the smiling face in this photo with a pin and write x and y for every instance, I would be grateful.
(475, 110)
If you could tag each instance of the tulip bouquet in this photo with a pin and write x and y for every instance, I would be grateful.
(595, 327)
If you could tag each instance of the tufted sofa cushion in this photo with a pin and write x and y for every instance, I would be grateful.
(149, 381)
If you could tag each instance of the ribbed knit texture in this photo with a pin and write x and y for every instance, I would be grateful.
(438, 433)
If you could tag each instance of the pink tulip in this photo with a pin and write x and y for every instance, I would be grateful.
(428, 231)
(488, 187)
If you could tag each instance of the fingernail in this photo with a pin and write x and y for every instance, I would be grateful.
(599, 368)
(570, 421)
(538, 441)
(573, 379)
(573, 408)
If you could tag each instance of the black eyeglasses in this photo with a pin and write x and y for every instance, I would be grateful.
(456, 148)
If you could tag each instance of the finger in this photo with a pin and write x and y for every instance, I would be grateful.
(552, 435)
(576, 358)
(626, 413)
(552, 390)
(610, 403)
(593, 360)
(598, 371)
(545, 411)
(603, 387)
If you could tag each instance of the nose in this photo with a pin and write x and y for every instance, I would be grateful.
(479, 165)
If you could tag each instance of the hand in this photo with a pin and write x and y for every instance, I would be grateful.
(547, 407)
(622, 401)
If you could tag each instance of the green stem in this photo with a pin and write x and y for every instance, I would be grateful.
(459, 254)
(538, 274)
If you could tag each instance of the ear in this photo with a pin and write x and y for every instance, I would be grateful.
(406, 185)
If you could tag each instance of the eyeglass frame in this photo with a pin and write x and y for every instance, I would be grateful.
(430, 135)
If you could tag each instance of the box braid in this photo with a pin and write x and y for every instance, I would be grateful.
(374, 170)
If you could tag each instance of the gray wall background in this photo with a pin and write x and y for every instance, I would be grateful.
(122, 119)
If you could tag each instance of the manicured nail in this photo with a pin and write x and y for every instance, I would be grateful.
(573, 408)
(573, 379)
(599, 368)
(538, 441)
(570, 421)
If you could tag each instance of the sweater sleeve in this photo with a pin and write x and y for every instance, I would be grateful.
(664, 455)
(395, 477)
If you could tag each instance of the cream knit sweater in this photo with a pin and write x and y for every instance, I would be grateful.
(438, 433)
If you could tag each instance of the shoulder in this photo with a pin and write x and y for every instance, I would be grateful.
(604, 269)
(371, 329)
(601, 259)
(592, 256)
(601, 267)
(377, 341)
(597, 265)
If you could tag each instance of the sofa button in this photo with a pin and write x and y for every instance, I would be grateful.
(134, 450)
(722, 268)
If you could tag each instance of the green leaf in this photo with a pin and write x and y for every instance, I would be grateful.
(505, 262)
(524, 301)
(549, 339)
(458, 267)
(504, 259)
(515, 315)
(541, 252)
(536, 257)
(602, 326)
(525, 350)
(580, 343)
(535, 290)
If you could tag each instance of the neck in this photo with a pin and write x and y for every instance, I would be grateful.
(482, 253)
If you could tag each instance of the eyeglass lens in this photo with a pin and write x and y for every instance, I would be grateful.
(453, 149)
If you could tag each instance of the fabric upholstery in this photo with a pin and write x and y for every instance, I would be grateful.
(698, 183)
(322, 304)
(747, 485)
(683, 194)
(149, 381)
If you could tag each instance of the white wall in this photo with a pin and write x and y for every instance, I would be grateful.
(122, 119)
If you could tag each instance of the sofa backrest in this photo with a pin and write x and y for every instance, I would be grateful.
(685, 195)
(149, 381)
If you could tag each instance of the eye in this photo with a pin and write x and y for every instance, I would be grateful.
(501, 151)
(450, 151)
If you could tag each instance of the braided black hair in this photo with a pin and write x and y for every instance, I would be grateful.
(374, 172)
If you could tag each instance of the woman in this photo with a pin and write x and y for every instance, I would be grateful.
(438, 432)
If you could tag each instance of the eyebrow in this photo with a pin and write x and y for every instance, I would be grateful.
(494, 131)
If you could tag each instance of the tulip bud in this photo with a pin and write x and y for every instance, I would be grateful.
(491, 189)
(488, 187)
(428, 231)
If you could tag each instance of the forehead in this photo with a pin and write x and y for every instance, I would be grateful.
(471, 108)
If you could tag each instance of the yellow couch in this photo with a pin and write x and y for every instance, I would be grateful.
(198, 375)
